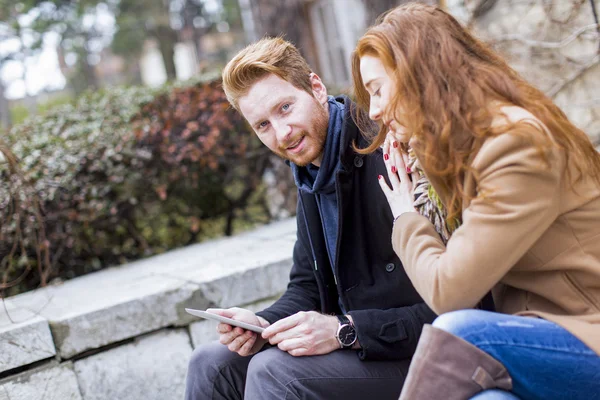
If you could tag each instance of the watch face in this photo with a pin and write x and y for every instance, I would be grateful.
(347, 335)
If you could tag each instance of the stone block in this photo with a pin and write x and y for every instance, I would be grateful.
(153, 367)
(52, 382)
(24, 338)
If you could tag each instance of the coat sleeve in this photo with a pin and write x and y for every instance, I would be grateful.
(302, 293)
(517, 200)
(390, 334)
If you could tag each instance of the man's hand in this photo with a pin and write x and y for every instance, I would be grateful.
(304, 334)
(239, 340)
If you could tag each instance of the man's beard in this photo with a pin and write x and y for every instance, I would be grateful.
(315, 140)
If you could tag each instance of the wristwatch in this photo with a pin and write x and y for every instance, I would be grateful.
(346, 334)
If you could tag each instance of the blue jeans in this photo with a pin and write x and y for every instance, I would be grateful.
(544, 360)
(495, 394)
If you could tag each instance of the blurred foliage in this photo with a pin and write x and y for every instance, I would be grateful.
(46, 106)
(19, 113)
(125, 174)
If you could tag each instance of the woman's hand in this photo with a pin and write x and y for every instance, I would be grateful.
(400, 196)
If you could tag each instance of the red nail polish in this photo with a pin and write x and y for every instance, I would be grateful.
(379, 177)
(408, 170)
(386, 157)
(395, 144)
(394, 169)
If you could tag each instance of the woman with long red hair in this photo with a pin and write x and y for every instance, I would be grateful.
(491, 188)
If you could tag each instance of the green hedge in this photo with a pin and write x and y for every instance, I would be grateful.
(125, 174)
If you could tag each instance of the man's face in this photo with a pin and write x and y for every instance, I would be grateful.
(288, 120)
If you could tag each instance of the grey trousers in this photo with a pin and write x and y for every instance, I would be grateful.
(216, 373)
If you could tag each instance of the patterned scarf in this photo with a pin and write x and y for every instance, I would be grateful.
(428, 203)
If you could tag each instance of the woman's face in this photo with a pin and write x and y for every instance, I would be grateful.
(380, 86)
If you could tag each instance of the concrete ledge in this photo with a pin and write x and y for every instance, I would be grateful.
(24, 338)
(94, 318)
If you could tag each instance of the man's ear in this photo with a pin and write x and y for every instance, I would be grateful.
(318, 88)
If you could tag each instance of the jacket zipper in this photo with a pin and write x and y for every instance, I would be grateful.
(312, 250)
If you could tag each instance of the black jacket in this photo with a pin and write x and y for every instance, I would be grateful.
(387, 311)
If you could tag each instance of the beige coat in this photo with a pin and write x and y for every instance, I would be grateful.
(526, 234)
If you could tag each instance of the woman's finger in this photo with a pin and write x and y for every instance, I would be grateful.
(386, 149)
(406, 160)
(415, 176)
(384, 187)
(399, 162)
(388, 157)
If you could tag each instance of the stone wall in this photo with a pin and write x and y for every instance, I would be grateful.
(554, 44)
(122, 333)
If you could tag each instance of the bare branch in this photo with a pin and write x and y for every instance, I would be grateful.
(546, 45)
(585, 104)
(548, 9)
(576, 74)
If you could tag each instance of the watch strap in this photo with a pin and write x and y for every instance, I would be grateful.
(344, 320)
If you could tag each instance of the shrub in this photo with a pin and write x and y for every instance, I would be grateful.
(126, 174)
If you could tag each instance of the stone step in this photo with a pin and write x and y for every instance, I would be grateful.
(51, 382)
(24, 338)
(118, 303)
(153, 367)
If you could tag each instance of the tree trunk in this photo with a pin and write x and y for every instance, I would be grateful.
(5, 119)
(89, 73)
(166, 43)
(377, 7)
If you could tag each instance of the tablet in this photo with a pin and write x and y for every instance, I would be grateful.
(225, 320)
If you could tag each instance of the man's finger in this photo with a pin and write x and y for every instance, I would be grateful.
(285, 335)
(221, 311)
(246, 349)
(299, 352)
(227, 338)
(238, 342)
(291, 344)
(282, 325)
(224, 328)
